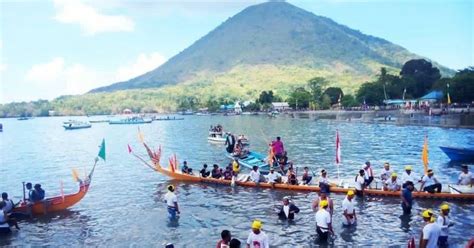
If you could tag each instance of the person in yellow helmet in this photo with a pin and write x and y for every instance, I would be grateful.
(348, 207)
(409, 176)
(392, 184)
(323, 222)
(445, 223)
(257, 238)
(431, 231)
(172, 202)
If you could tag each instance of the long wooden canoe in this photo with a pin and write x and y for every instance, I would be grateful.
(371, 192)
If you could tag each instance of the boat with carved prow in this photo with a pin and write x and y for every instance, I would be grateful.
(60, 202)
(454, 192)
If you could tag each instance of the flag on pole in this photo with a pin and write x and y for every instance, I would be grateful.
(338, 148)
(102, 150)
(129, 148)
(424, 155)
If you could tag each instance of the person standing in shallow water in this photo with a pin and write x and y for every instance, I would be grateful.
(257, 238)
(406, 196)
(172, 202)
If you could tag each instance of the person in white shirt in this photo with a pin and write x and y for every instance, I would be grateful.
(431, 231)
(409, 176)
(273, 177)
(429, 183)
(171, 202)
(255, 174)
(349, 210)
(386, 173)
(369, 174)
(444, 223)
(288, 209)
(323, 222)
(324, 184)
(466, 177)
(392, 184)
(4, 227)
(360, 183)
(257, 238)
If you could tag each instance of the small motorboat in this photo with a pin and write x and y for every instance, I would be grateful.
(174, 118)
(459, 154)
(252, 159)
(72, 125)
(24, 118)
(130, 120)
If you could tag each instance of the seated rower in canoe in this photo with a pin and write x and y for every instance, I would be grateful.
(386, 173)
(429, 183)
(228, 172)
(466, 177)
(324, 183)
(255, 175)
(186, 169)
(273, 177)
(204, 172)
(392, 184)
(216, 172)
(283, 161)
(292, 180)
(306, 178)
(8, 209)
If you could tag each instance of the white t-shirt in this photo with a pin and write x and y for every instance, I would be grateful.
(272, 177)
(348, 205)
(443, 223)
(258, 240)
(412, 177)
(255, 176)
(8, 206)
(428, 180)
(359, 182)
(324, 180)
(170, 199)
(286, 210)
(465, 178)
(385, 175)
(393, 185)
(323, 218)
(2, 219)
(368, 172)
(431, 232)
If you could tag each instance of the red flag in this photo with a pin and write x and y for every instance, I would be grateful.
(338, 148)
(129, 148)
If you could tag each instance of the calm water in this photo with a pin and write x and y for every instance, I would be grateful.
(123, 207)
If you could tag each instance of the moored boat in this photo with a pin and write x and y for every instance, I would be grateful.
(130, 120)
(1, 127)
(23, 118)
(72, 125)
(174, 118)
(459, 154)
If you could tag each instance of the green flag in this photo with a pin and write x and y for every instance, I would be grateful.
(102, 150)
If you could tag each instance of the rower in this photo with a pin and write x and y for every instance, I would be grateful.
(235, 167)
(230, 142)
(257, 238)
(273, 177)
(409, 175)
(186, 169)
(39, 193)
(369, 174)
(288, 209)
(204, 172)
(392, 184)
(360, 183)
(278, 147)
(31, 192)
(306, 178)
(324, 184)
(216, 172)
(8, 209)
(323, 197)
(444, 222)
(466, 177)
(429, 183)
(228, 172)
(283, 160)
(292, 180)
(431, 231)
(255, 174)
(172, 202)
(349, 210)
(406, 196)
(386, 173)
(323, 222)
(4, 227)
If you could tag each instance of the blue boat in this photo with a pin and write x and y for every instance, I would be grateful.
(252, 159)
(459, 154)
(130, 120)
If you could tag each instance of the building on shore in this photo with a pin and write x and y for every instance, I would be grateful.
(280, 106)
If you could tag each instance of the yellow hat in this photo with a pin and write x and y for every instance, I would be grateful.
(323, 203)
(408, 167)
(394, 174)
(445, 207)
(427, 213)
(256, 224)
(350, 192)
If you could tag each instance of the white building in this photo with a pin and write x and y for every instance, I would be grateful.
(280, 106)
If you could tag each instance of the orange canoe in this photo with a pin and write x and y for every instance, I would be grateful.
(372, 192)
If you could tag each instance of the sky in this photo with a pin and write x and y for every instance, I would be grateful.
(64, 47)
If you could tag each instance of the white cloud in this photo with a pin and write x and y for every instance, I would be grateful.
(56, 77)
(91, 21)
(144, 63)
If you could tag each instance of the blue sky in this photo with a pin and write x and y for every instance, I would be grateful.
(52, 48)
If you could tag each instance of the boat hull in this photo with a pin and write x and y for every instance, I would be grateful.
(54, 204)
(458, 154)
(67, 127)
